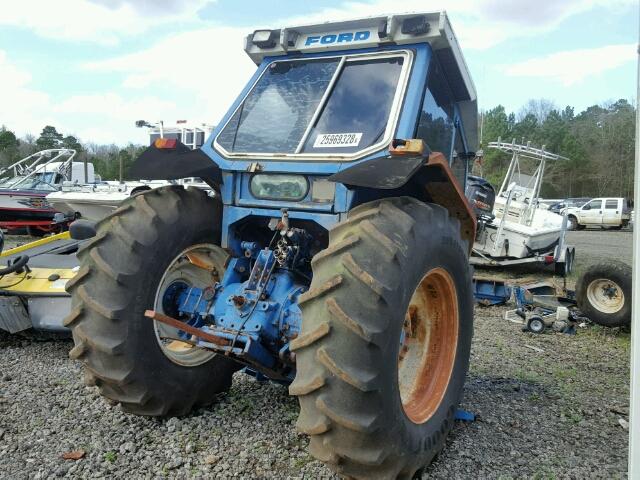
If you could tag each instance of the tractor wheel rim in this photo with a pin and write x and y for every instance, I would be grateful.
(188, 272)
(428, 346)
(605, 295)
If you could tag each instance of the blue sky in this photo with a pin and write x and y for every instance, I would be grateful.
(93, 67)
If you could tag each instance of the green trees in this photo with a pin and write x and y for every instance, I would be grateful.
(49, 138)
(8, 146)
(599, 143)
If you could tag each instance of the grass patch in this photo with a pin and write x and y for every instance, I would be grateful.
(110, 456)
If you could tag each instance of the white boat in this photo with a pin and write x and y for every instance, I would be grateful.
(25, 184)
(95, 201)
(520, 228)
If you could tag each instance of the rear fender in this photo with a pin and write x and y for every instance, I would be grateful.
(432, 176)
(172, 164)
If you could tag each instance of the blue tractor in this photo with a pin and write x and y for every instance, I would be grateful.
(332, 255)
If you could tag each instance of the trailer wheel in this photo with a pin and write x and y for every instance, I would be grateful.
(126, 268)
(603, 294)
(535, 324)
(385, 341)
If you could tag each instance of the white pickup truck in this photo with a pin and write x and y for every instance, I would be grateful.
(600, 212)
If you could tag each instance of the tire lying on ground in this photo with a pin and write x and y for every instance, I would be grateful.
(385, 340)
(122, 268)
(603, 294)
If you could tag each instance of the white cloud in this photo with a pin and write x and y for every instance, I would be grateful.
(100, 21)
(207, 66)
(19, 101)
(571, 67)
(102, 117)
(109, 118)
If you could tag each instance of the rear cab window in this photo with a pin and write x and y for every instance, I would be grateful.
(611, 204)
(329, 106)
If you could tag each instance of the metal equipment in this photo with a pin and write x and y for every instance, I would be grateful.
(32, 284)
(332, 257)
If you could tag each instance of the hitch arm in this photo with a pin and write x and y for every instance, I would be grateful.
(161, 317)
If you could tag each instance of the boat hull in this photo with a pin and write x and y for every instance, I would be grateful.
(24, 206)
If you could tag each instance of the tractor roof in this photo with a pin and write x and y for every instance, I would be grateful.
(371, 32)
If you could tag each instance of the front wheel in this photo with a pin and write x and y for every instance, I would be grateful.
(154, 245)
(385, 341)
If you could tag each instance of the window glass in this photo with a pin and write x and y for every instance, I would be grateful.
(275, 115)
(435, 125)
(458, 164)
(357, 111)
(611, 204)
(596, 204)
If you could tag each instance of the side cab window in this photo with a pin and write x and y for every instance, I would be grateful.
(436, 122)
(593, 205)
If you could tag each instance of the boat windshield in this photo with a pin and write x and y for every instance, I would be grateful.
(40, 181)
(338, 105)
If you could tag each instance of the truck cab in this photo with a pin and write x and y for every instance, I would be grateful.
(605, 212)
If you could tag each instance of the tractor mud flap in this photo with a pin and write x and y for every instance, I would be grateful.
(172, 164)
(14, 317)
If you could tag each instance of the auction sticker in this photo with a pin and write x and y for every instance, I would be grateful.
(337, 140)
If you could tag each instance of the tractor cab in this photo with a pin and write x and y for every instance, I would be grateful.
(322, 124)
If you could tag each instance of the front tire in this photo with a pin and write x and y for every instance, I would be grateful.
(122, 268)
(385, 341)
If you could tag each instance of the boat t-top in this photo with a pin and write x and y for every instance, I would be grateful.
(25, 184)
(519, 231)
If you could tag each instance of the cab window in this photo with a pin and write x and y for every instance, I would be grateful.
(435, 125)
(611, 204)
(594, 205)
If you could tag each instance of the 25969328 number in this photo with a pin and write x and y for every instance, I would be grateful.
(336, 140)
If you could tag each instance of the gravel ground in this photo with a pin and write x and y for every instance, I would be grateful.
(550, 414)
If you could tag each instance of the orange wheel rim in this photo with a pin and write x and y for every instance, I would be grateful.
(428, 345)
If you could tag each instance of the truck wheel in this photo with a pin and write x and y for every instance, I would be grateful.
(141, 253)
(603, 294)
(385, 340)
(572, 223)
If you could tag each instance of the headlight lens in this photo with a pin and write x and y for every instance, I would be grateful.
(279, 187)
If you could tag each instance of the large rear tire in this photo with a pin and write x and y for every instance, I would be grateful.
(122, 268)
(385, 341)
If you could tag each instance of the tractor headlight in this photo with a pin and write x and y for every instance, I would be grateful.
(265, 38)
(279, 187)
